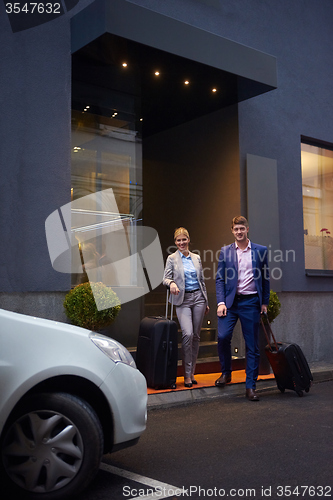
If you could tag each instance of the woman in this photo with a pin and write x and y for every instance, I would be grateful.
(184, 275)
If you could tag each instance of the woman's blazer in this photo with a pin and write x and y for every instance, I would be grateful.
(174, 271)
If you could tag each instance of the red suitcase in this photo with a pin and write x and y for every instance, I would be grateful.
(290, 367)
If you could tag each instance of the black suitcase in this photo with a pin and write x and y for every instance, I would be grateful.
(290, 367)
(157, 350)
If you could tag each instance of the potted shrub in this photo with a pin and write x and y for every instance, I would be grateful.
(274, 306)
(81, 309)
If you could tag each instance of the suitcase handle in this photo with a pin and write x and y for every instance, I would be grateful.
(167, 304)
(270, 331)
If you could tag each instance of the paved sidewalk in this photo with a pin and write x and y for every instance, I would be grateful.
(321, 371)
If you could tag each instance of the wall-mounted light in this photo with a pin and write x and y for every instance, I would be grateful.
(236, 349)
(208, 322)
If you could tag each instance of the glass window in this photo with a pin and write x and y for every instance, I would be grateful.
(317, 183)
(106, 155)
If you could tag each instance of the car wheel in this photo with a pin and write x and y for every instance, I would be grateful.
(53, 446)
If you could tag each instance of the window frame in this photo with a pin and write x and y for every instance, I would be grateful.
(328, 146)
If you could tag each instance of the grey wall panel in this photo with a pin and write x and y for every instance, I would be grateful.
(263, 212)
(34, 152)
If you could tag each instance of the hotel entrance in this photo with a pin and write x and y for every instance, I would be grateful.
(156, 120)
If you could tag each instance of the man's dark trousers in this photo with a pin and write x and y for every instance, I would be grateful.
(247, 309)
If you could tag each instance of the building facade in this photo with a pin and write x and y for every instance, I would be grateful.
(192, 111)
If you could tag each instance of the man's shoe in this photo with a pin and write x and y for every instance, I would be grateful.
(221, 381)
(252, 395)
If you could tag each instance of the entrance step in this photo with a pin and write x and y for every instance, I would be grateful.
(212, 365)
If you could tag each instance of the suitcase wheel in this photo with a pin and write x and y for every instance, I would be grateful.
(173, 386)
(282, 389)
(299, 393)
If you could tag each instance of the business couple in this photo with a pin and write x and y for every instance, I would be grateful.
(242, 291)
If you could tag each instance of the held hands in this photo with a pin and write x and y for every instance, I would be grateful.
(263, 309)
(174, 288)
(222, 310)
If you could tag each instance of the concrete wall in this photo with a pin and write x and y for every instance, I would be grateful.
(35, 148)
(35, 97)
(48, 305)
(306, 318)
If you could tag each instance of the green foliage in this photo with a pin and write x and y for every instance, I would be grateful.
(81, 309)
(274, 306)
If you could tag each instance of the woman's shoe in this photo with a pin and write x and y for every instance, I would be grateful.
(189, 383)
(194, 382)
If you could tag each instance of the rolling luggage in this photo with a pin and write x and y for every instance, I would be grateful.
(157, 350)
(290, 367)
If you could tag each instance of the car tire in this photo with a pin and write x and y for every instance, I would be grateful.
(52, 446)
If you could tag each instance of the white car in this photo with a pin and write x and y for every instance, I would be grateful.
(67, 395)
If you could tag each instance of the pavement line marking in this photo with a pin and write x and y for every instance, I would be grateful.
(143, 480)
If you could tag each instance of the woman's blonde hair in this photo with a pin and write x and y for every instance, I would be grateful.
(181, 230)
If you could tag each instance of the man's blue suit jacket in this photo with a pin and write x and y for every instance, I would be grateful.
(227, 274)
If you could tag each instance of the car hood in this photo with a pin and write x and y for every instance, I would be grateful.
(35, 349)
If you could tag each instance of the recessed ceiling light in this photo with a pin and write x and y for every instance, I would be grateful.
(214, 90)
(157, 73)
(186, 82)
(141, 119)
(124, 64)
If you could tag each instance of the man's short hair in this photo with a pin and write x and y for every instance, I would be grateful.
(239, 220)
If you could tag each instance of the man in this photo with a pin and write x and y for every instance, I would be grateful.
(242, 291)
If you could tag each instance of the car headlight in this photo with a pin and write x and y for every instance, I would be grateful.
(115, 351)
